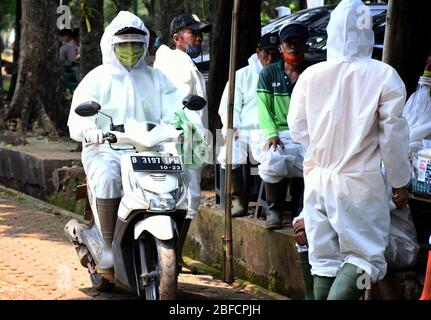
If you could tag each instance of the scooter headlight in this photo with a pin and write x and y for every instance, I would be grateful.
(160, 202)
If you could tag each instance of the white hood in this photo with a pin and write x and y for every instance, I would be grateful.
(123, 20)
(254, 62)
(350, 33)
(141, 94)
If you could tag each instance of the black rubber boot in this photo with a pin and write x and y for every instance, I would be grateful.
(239, 199)
(180, 245)
(275, 196)
(321, 287)
(107, 209)
(306, 274)
(345, 286)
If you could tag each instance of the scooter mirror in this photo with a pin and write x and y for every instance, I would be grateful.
(194, 102)
(88, 109)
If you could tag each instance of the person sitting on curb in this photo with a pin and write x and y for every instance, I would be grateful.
(280, 158)
(245, 116)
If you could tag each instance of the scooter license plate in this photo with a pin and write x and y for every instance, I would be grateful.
(156, 164)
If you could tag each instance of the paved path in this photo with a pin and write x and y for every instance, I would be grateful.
(38, 262)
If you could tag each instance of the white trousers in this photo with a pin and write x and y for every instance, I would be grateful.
(248, 142)
(346, 220)
(193, 177)
(281, 163)
(103, 169)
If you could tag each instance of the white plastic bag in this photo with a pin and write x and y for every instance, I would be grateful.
(403, 247)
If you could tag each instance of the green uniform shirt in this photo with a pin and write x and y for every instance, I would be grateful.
(273, 97)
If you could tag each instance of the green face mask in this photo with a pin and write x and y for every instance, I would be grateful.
(129, 53)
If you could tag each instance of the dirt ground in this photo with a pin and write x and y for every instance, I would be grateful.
(37, 262)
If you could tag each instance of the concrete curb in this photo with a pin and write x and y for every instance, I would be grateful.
(238, 283)
(50, 208)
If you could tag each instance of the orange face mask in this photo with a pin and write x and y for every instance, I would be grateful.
(293, 60)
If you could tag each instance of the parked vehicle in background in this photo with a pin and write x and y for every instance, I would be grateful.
(317, 20)
(307, 16)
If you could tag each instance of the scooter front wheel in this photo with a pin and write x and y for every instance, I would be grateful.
(168, 270)
(159, 279)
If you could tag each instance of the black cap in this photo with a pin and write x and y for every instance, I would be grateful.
(189, 21)
(65, 32)
(269, 41)
(130, 30)
(294, 30)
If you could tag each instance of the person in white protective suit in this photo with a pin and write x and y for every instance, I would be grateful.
(245, 123)
(418, 109)
(401, 251)
(347, 112)
(186, 32)
(129, 91)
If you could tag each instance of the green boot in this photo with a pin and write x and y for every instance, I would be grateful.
(180, 246)
(345, 286)
(321, 287)
(306, 274)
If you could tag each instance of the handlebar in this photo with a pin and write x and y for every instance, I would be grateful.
(110, 137)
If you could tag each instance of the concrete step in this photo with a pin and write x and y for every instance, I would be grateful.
(267, 258)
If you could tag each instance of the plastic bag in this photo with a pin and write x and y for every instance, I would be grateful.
(403, 247)
(193, 149)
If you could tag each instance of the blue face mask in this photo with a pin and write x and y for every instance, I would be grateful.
(193, 52)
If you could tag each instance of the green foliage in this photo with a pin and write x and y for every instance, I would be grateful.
(268, 11)
(110, 11)
(7, 14)
(264, 18)
(293, 6)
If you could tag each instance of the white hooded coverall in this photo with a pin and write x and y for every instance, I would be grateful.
(347, 112)
(143, 94)
(418, 114)
(245, 114)
(182, 71)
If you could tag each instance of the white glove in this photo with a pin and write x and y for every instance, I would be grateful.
(93, 136)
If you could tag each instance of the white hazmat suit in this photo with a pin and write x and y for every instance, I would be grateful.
(142, 94)
(182, 71)
(347, 112)
(245, 114)
(418, 113)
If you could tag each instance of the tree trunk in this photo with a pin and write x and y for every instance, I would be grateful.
(15, 50)
(248, 38)
(38, 101)
(90, 52)
(407, 39)
(122, 5)
(168, 10)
